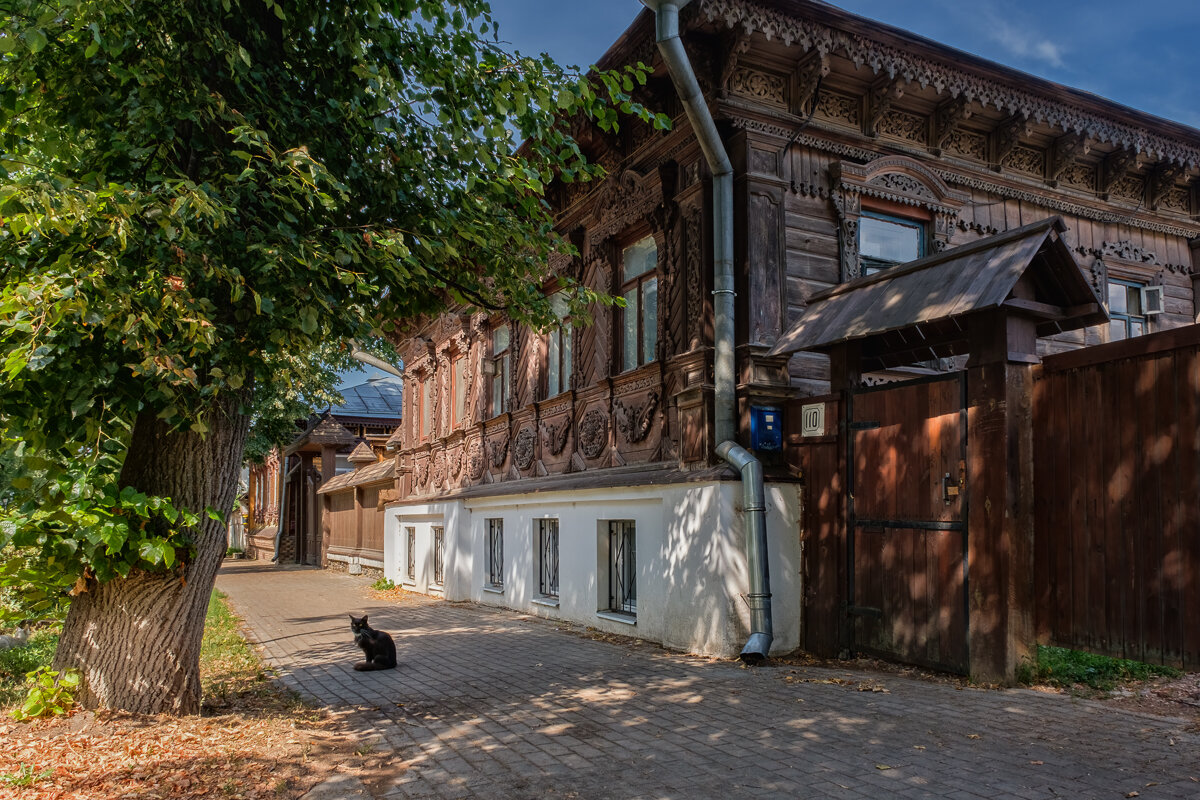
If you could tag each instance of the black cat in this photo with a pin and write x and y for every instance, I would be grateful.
(378, 646)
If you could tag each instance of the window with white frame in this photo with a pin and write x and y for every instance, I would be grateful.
(639, 289)
(622, 567)
(458, 377)
(1128, 313)
(559, 348)
(439, 555)
(495, 553)
(410, 552)
(501, 368)
(547, 549)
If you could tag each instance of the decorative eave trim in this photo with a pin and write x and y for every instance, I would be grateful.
(1067, 207)
(943, 77)
(957, 179)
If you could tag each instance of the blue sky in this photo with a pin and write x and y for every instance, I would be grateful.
(1141, 54)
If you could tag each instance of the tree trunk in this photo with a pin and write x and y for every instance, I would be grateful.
(136, 640)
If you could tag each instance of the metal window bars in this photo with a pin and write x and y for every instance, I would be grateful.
(495, 557)
(622, 567)
(548, 557)
(411, 554)
(439, 556)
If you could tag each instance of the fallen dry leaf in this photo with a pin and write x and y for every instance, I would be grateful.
(882, 766)
(973, 736)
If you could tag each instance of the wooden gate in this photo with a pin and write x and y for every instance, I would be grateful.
(906, 520)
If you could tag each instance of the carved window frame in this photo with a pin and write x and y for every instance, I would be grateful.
(895, 186)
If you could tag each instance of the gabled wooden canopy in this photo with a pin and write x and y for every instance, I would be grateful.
(922, 309)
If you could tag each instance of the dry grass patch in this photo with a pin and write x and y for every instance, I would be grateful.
(253, 740)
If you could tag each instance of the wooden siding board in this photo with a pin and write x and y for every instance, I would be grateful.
(1188, 371)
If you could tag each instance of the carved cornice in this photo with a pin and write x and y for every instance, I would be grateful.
(1114, 168)
(1066, 150)
(809, 73)
(1066, 207)
(944, 78)
(882, 95)
(948, 118)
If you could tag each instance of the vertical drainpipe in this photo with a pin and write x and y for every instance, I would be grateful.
(666, 13)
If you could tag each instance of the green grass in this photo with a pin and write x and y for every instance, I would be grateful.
(1058, 666)
(383, 585)
(14, 663)
(227, 662)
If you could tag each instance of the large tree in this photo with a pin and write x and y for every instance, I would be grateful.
(197, 194)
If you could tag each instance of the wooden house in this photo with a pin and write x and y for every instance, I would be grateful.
(572, 474)
(297, 499)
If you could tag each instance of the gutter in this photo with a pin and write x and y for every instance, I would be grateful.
(357, 353)
(666, 15)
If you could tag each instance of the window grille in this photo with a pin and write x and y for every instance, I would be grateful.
(439, 556)
(622, 567)
(410, 569)
(495, 559)
(548, 557)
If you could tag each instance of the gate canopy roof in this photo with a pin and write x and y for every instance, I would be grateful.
(921, 309)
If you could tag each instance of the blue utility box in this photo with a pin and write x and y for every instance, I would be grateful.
(766, 428)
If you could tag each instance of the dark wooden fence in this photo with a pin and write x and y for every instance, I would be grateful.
(1117, 502)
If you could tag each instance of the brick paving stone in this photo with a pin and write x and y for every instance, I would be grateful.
(490, 703)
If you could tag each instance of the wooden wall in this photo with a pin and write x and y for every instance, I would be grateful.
(355, 530)
(1117, 470)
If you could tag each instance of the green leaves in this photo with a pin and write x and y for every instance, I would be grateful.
(50, 693)
(197, 199)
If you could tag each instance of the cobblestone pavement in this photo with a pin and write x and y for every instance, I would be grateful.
(494, 704)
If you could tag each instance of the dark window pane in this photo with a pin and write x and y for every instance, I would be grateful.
(649, 320)
(629, 343)
(638, 259)
(889, 240)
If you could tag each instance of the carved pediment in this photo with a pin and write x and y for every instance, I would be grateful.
(623, 200)
(900, 180)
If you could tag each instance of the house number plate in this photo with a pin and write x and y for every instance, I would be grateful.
(812, 420)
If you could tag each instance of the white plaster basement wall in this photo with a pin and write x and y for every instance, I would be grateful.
(691, 559)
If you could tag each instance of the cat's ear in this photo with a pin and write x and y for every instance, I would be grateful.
(351, 616)
(364, 619)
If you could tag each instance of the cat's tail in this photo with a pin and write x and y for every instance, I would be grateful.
(369, 666)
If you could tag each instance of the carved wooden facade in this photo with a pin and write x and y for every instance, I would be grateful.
(825, 117)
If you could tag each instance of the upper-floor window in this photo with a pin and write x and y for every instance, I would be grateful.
(885, 241)
(426, 407)
(501, 368)
(1127, 317)
(639, 288)
(559, 347)
(458, 379)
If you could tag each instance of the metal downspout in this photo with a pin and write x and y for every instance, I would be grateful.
(666, 13)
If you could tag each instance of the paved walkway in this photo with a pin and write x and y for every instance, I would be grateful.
(493, 704)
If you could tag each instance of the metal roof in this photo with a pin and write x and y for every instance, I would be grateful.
(945, 287)
(378, 398)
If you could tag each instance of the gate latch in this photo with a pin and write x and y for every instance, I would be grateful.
(952, 488)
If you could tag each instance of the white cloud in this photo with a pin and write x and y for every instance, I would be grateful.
(1024, 43)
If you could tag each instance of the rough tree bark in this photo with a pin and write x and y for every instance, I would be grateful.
(136, 640)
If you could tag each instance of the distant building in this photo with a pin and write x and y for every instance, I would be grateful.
(328, 449)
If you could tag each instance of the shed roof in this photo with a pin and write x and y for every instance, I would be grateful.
(384, 471)
(928, 298)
